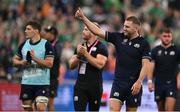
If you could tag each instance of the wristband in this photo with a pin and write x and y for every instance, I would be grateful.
(149, 81)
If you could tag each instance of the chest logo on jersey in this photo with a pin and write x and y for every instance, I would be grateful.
(94, 48)
(136, 45)
(159, 53)
(172, 53)
(124, 41)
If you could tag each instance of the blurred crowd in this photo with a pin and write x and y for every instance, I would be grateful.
(110, 14)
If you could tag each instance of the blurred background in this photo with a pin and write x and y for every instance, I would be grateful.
(110, 14)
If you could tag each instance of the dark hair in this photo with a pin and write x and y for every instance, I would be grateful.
(166, 30)
(51, 29)
(134, 19)
(34, 24)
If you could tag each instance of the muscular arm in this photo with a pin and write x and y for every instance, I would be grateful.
(98, 62)
(73, 62)
(17, 61)
(137, 85)
(150, 71)
(47, 62)
(144, 69)
(91, 26)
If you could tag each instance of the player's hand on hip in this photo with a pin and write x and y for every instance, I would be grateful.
(79, 14)
(136, 87)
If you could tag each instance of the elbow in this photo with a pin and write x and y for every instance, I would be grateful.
(100, 66)
(71, 66)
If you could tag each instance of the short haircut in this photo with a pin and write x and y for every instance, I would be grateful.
(34, 24)
(166, 30)
(134, 19)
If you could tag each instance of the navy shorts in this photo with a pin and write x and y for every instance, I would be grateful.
(121, 90)
(53, 88)
(165, 89)
(85, 96)
(30, 92)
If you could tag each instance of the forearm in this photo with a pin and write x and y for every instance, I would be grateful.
(17, 63)
(142, 74)
(73, 62)
(93, 28)
(44, 62)
(144, 69)
(150, 72)
(96, 62)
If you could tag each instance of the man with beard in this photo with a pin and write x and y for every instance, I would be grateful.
(50, 33)
(164, 67)
(90, 58)
(132, 59)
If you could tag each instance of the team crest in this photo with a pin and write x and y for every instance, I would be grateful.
(125, 40)
(136, 45)
(159, 52)
(94, 48)
(172, 53)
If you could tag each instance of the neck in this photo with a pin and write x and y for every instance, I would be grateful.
(135, 35)
(91, 41)
(35, 39)
(166, 46)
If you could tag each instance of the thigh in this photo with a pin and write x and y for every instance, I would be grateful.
(42, 90)
(159, 93)
(117, 97)
(117, 92)
(94, 98)
(80, 99)
(42, 94)
(171, 90)
(133, 101)
(27, 92)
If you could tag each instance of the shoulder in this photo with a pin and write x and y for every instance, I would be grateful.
(102, 45)
(23, 43)
(44, 40)
(156, 48)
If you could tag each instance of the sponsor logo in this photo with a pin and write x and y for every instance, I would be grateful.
(116, 94)
(75, 98)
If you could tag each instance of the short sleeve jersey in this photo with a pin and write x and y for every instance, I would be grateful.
(92, 75)
(166, 61)
(129, 55)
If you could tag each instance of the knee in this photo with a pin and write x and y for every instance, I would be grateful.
(27, 107)
(41, 103)
(114, 108)
(41, 106)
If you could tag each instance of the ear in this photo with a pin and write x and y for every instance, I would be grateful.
(37, 31)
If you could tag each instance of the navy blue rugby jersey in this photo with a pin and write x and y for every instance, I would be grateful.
(166, 61)
(129, 55)
(89, 75)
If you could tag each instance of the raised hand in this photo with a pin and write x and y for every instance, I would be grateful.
(79, 14)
